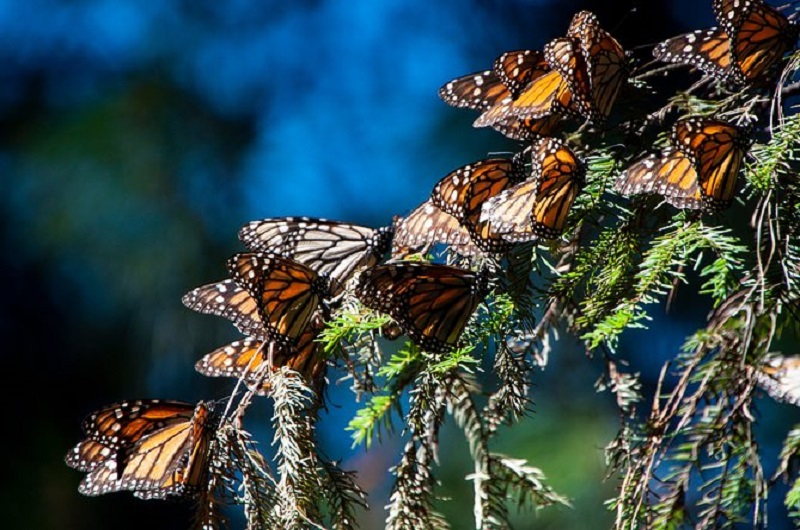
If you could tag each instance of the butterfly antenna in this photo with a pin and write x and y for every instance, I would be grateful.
(624, 19)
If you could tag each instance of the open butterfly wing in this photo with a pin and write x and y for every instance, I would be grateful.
(287, 292)
(246, 358)
(330, 248)
(708, 50)
(515, 69)
(760, 35)
(230, 301)
(462, 192)
(479, 91)
(564, 90)
(670, 174)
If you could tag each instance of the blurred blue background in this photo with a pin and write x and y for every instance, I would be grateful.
(137, 137)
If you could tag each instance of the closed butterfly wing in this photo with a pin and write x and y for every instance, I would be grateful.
(462, 193)
(286, 292)
(605, 61)
(161, 451)
(330, 248)
(228, 300)
(759, 34)
(717, 149)
(431, 303)
(538, 207)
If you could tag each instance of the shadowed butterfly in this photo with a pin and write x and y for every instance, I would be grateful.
(154, 448)
(431, 303)
(751, 38)
(331, 248)
(538, 207)
(699, 170)
(287, 293)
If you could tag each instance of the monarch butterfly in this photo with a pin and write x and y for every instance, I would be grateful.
(605, 61)
(779, 376)
(431, 303)
(539, 205)
(491, 90)
(246, 358)
(462, 193)
(226, 299)
(699, 169)
(427, 225)
(751, 38)
(154, 448)
(287, 293)
(330, 248)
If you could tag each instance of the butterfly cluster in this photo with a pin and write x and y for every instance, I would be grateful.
(530, 94)
(295, 273)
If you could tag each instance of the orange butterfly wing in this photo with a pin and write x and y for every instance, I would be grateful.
(287, 293)
(431, 303)
(538, 207)
(605, 60)
(717, 149)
